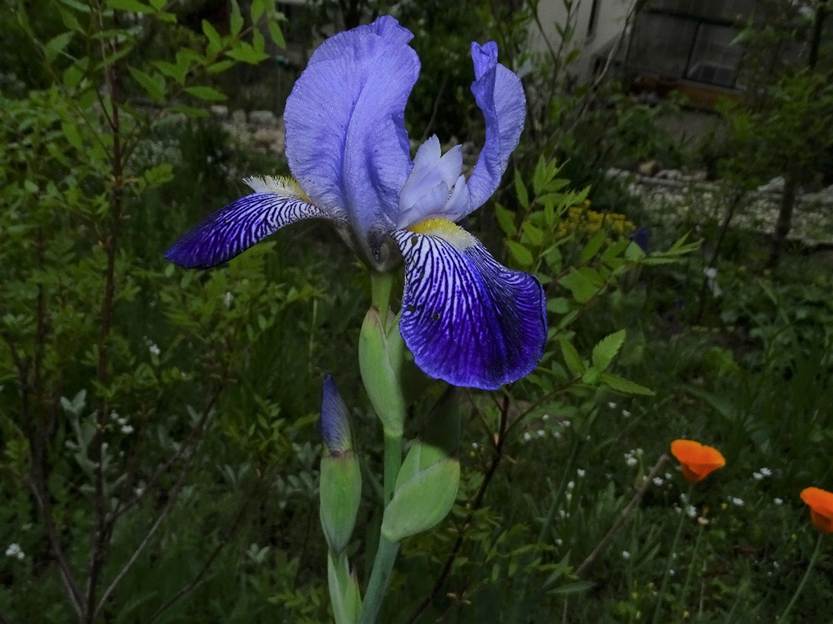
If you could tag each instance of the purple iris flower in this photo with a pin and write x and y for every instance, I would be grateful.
(466, 319)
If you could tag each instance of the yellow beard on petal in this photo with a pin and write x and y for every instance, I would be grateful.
(280, 185)
(445, 229)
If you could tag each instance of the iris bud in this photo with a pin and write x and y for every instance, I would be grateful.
(381, 354)
(344, 590)
(341, 481)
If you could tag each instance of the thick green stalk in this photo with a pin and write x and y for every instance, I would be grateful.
(803, 582)
(380, 287)
(387, 550)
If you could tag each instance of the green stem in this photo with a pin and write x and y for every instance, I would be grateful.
(387, 550)
(380, 287)
(393, 461)
(803, 582)
(667, 573)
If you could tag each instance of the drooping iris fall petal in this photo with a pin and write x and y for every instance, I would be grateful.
(241, 224)
(697, 460)
(820, 503)
(467, 319)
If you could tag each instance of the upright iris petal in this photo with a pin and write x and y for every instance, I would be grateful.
(345, 131)
(500, 96)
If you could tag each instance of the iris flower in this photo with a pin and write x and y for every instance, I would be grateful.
(466, 319)
(698, 461)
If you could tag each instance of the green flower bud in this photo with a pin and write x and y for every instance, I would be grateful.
(340, 486)
(381, 354)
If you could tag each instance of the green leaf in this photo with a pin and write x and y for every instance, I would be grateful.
(159, 174)
(209, 94)
(534, 235)
(607, 348)
(220, 66)
(571, 357)
(583, 283)
(573, 588)
(506, 220)
(129, 5)
(215, 42)
(154, 85)
(592, 247)
(72, 135)
(625, 386)
(236, 20)
(177, 72)
(57, 44)
(276, 34)
(244, 52)
(520, 190)
(521, 254)
(257, 9)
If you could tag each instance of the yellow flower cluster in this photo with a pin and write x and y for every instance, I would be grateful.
(581, 220)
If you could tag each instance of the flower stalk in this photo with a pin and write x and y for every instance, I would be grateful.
(807, 572)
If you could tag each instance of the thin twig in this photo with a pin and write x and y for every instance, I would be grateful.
(169, 504)
(623, 517)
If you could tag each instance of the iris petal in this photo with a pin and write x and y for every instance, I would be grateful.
(237, 227)
(345, 135)
(500, 96)
(467, 319)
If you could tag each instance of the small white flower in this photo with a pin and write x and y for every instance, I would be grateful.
(757, 476)
(737, 502)
(127, 429)
(541, 433)
(527, 436)
(581, 472)
(565, 423)
(691, 511)
(611, 405)
(227, 299)
(562, 514)
(475, 445)
(545, 417)
(571, 485)
(778, 501)
(154, 349)
(626, 555)
(631, 461)
(672, 572)
(556, 435)
(684, 497)
(558, 541)
(765, 471)
(114, 415)
(668, 476)
(710, 272)
(639, 452)
(14, 550)
(626, 413)
(658, 481)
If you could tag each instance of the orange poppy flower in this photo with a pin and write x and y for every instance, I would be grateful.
(697, 460)
(820, 503)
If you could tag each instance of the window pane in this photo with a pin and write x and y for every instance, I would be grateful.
(714, 60)
(661, 44)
